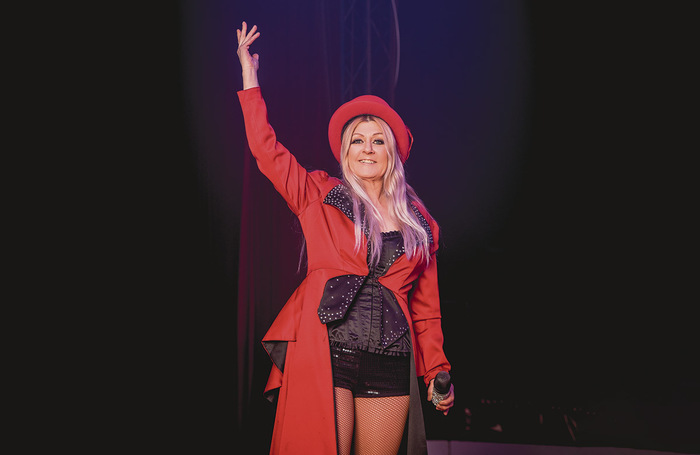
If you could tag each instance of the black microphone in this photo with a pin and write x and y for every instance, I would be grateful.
(441, 386)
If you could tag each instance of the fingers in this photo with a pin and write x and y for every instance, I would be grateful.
(448, 402)
(246, 37)
(252, 35)
(253, 38)
(445, 404)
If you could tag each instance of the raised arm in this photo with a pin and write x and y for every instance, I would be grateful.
(249, 63)
(290, 179)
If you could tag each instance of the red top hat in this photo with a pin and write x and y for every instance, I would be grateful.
(369, 105)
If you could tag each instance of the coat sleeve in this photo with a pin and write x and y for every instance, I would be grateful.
(289, 178)
(425, 314)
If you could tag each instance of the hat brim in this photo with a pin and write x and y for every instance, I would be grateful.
(369, 105)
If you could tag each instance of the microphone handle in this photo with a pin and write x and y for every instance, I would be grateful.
(438, 397)
(442, 383)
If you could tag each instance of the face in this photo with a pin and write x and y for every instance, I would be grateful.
(367, 156)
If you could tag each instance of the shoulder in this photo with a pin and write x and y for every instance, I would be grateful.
(323, 184)
(324, 181)
(424, 212)
(428, 223)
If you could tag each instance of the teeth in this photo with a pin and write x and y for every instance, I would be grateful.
(367, 161)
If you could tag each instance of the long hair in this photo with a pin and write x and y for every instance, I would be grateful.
(397, 192)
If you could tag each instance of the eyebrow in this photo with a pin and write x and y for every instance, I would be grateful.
(374, 134)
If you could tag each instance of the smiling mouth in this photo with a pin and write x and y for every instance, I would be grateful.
(367, 161)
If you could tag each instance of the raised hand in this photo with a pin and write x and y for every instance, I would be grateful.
(249, 63)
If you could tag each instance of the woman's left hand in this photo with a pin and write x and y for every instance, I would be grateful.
(445, 404)
(249, 63)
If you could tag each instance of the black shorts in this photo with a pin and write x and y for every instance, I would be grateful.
(370, 375)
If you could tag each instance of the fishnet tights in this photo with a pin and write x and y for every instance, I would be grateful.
(376, 423)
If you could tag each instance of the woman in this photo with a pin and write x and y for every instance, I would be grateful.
(348, 346)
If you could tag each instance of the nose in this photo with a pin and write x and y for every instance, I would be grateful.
(368, 147)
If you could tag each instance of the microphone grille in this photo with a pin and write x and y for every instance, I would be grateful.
(442, 382)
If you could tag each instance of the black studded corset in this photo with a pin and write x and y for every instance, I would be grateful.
(362, 314)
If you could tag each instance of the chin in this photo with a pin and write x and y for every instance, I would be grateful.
(369, 176)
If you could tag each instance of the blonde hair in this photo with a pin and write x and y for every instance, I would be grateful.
(397, 192)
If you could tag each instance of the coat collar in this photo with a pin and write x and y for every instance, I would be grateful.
(340, 198)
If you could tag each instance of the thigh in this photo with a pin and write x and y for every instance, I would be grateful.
(379, 424)
(344, 419)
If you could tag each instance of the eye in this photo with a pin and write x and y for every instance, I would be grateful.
(356, 141)
(379, 141)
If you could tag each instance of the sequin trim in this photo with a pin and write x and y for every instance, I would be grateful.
(338, 294)
(339, 197)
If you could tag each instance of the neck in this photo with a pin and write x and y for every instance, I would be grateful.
(376, 195)
(373, 189)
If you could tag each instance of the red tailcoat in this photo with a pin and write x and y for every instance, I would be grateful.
(305, 417)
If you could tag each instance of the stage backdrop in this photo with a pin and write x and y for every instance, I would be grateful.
(524, 121)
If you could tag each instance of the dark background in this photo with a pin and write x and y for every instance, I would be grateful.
(553, 145)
